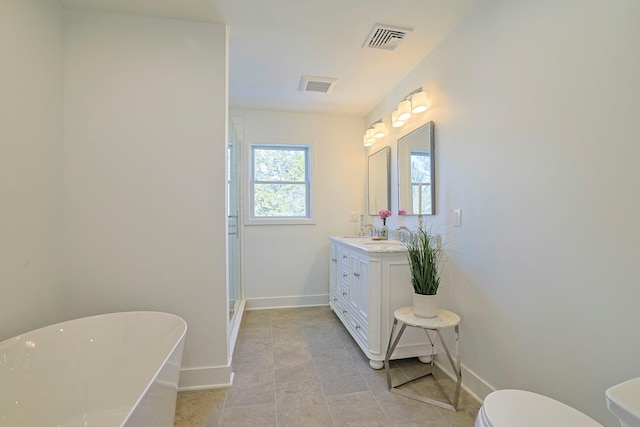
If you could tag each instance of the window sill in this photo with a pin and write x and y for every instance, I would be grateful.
(280, 221)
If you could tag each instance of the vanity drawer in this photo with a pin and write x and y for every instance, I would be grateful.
(333, 299)
(344, 258)
(359, 327)
(341, 310)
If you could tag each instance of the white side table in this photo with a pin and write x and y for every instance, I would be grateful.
(445, 319)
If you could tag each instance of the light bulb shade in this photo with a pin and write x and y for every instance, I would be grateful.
(368, 137)
(395, 121)
(404, 110)
(379, 130)
(366, 141)
(419, 102)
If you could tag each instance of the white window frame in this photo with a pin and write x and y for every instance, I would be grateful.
(253, 220)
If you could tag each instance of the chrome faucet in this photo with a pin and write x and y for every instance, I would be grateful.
(369, 226)
(363, 226)
(401, 233)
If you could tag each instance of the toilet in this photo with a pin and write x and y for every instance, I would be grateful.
(511, 408)
(623, 400)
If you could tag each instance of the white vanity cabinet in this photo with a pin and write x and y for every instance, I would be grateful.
(367, 282)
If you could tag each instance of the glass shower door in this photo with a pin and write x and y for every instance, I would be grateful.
(233, 229)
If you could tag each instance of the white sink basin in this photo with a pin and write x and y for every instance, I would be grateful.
(623, 400)
(367, 244)
(381, 242)
(365, 240)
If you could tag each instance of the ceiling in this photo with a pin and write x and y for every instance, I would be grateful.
(273, 43)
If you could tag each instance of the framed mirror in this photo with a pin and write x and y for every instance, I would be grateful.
(378, 181)
(416, 172)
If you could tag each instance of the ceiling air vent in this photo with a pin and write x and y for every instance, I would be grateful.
(317, 84)
(385, 37)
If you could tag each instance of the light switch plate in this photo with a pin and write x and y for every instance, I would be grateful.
(354, 217)
(457, 217)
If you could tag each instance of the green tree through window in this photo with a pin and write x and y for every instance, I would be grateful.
(280, 181)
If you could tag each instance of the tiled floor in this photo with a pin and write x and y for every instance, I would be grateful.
(300, 367)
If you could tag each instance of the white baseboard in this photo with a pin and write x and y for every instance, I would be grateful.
(471, 383)
(287, 302)
(405, 351)
(213, 376)
(205, 378)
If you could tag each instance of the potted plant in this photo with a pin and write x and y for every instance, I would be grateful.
(424, 252)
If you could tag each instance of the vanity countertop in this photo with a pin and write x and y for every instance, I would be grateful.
(369, 245)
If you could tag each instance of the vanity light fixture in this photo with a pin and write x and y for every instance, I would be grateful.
(377, 130)
(369, 139)
(419, 102)
(415, 102)
(404, 110)
(395, 120)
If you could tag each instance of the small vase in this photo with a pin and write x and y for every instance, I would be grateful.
(384, 233)
(425, 305)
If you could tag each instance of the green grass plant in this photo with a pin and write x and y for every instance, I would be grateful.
(424, 252)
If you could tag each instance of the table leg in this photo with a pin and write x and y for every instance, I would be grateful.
(457, 368)
(390, 349)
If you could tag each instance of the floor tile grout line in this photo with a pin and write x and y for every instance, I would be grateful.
(324, 395)
(351, 349)
(353, 361)
(273, 369)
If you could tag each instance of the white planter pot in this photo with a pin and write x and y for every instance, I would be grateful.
(425, 305)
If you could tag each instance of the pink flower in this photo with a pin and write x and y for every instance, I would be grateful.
(402, 212)
(384, 214)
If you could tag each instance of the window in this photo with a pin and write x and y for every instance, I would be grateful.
(280, 182)
(421, 180)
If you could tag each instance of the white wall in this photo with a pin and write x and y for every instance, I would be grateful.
(144, 176)
(30, 165)
(287, 265)
(536, 109)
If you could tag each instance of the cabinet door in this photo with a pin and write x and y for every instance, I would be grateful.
(364, 304)
(343, 273)
(333, 268)
(333, 277)
(342, 282)
(359, 292)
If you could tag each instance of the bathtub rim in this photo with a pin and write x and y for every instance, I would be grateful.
(92, 316)
(179, 341)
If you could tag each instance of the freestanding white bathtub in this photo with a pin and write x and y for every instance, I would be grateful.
(110, 370)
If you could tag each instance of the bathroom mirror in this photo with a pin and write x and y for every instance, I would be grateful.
(378, 181)
(416, 172)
